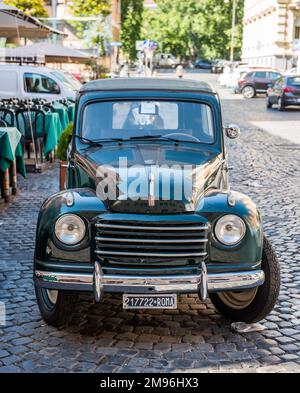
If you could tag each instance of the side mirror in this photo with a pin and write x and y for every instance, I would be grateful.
(232, 131)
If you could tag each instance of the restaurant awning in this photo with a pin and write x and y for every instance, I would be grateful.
(52, 53)
(16, 24)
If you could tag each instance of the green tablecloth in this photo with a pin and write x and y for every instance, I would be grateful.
(53, 129)
(71, 112)
(10, 148)
(63, 114)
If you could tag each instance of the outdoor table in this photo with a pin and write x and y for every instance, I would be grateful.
(53, 130)
(63, 114)
(11, 159)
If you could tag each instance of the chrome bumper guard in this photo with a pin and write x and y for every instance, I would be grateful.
(100, 283)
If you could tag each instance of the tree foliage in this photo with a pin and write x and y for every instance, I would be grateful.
(194, 28)
(35, 8)
(93, 33)
(131, 24)
(91, 7)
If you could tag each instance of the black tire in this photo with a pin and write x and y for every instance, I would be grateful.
(57, 314)
(266, 295)
(281, 107)
(268, 104)
(248, 92)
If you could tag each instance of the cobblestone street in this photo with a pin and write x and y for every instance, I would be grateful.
(194, 338)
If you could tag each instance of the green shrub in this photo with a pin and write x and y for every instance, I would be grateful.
(63, 142)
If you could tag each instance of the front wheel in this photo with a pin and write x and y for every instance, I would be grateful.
(248, 92)
(252, 305)
(55, 306)
(268, 103)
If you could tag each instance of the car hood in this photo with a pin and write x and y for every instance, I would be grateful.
(151, 177)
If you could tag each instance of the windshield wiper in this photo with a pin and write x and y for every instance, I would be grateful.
(89, 141)
(98, 142)
(142, 137)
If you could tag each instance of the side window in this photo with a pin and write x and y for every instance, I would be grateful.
(260, 74)
(274, 76)
(37, 83)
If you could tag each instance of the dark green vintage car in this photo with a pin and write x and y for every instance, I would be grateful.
(148, 211)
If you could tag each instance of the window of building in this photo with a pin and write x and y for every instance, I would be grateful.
(297, 32)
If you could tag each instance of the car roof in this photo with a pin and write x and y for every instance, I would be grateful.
(162, 84)
(25, 68)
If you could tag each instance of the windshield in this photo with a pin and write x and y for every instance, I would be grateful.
(187, 121)
(67, 80)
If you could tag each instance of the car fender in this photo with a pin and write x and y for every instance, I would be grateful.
(81, 201)
(249, 249)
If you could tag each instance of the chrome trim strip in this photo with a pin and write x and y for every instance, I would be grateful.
(150, 254)
(158, 228)
(138, 240)
(156, 284)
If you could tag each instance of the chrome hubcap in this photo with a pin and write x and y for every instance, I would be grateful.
(238, 300)
(52, 295)
(248, 92)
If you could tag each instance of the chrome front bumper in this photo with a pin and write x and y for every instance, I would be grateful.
(100, 283)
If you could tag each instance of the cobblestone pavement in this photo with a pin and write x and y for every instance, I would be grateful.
(105, 338)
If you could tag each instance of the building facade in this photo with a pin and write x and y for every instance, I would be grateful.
(270, 30)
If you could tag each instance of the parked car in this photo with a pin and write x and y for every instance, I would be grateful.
(148, 240)
(217, 66)
(284, 92)
(203, 64)
(165, 60)
(256, 82)
(30, 82)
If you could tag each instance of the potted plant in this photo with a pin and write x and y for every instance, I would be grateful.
(61, 153)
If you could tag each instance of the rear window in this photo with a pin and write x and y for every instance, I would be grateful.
(294, 81)
(188, 121)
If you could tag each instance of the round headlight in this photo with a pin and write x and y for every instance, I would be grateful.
(230, 229)
(70, 229)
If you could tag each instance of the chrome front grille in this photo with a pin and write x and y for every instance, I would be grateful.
(115, 239)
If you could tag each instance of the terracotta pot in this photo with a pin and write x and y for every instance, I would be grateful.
(62, 174)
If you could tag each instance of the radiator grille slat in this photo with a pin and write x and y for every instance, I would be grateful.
(124, 241)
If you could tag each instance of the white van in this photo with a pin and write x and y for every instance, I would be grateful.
(165, 60)
(24, 81)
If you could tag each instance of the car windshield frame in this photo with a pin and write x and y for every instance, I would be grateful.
(66, 80)
(157, 99)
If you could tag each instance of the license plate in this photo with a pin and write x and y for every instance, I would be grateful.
(150, 301)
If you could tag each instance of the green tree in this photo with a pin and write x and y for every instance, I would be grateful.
(215, 28)
(131, 25)
(91, 32)
(174, 25)
(91, 7)
(34, 8)
(194, 28)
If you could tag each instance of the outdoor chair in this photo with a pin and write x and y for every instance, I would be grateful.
(31, 123)
(7, 116)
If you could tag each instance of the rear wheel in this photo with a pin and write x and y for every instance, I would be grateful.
(248, 92)
(55, 306)
(252, 305)
(281, 107)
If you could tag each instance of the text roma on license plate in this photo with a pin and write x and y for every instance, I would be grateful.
(150, 301)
